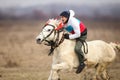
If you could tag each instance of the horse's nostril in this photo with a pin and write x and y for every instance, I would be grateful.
(38, 40)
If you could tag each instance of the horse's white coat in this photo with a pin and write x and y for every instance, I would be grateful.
(100, 53)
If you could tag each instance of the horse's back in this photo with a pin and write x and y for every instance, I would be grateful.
(100, 51)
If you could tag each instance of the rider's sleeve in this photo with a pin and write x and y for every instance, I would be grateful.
(76, 27)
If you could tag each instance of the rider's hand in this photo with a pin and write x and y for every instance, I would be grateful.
(66, 36)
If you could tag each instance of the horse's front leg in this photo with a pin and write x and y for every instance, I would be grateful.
(54, 75)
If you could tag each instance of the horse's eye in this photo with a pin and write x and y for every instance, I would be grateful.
(49, 30)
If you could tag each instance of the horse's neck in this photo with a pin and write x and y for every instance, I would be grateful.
(66, 42)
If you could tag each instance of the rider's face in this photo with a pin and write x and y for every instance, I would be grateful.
(63, 19)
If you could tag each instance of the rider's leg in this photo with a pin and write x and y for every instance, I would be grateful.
(80, 55)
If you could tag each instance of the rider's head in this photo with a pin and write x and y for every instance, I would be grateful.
(65, 16)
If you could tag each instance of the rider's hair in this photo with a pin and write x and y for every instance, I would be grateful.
(65, 14)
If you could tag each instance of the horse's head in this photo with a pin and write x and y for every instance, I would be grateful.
(48, 32)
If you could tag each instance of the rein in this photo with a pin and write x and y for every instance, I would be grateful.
(55, 44)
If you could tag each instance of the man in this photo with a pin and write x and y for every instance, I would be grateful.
(78, 31)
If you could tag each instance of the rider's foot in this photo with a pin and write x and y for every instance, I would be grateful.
(80, 67)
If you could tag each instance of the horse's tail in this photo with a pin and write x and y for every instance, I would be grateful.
(116, 46)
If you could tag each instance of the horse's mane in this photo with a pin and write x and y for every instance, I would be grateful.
(53, 21)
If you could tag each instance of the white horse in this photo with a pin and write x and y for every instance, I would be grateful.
(100, 53)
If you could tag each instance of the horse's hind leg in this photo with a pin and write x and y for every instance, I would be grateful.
(105, 75)
(101, 72)
(97, 72)
(100, 67)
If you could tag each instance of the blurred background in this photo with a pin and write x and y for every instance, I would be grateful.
(34, 9)
(22, 20)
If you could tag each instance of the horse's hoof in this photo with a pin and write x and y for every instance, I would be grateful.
(58, 78)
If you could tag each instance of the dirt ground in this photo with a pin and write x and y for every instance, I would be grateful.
(22, 59)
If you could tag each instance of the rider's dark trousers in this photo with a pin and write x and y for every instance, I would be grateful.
(78, 48)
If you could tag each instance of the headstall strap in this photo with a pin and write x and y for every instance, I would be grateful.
(56, 43)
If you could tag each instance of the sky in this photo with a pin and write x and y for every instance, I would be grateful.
(26, 3)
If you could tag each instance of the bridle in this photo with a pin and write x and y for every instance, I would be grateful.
(54, 44)
(50, 32)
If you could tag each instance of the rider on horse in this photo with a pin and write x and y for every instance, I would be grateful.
(78, 32)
